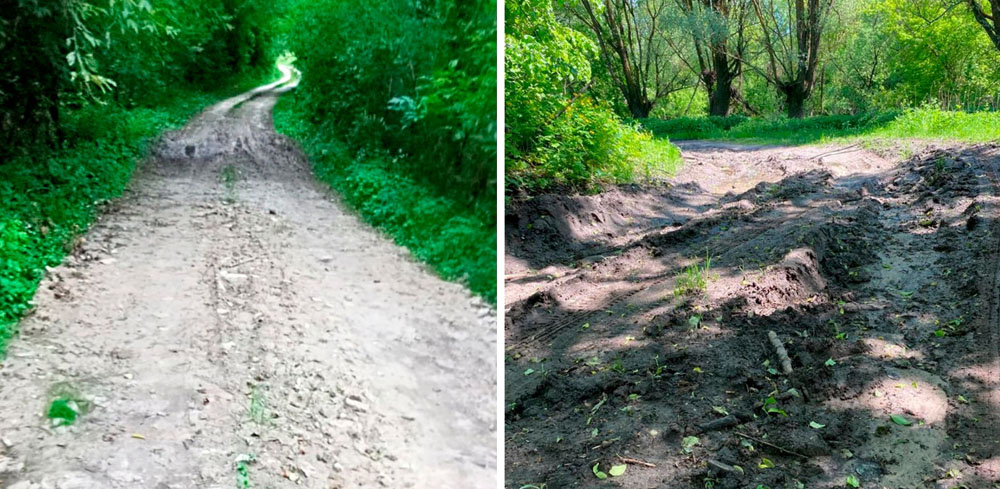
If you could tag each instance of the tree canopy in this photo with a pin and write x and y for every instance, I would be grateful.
(57, 55)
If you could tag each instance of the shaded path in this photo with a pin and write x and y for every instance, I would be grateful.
(227, 314)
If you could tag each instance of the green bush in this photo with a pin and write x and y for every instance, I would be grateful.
(458, 240)
(416, 79)
(16, 280)
(588, 144)
(397, 111)
(555, 133)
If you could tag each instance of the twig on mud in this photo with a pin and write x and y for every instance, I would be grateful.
(776, 447)
(718, 424)
(786, 363)
(606, 443)
(636, 462)
(723, 467)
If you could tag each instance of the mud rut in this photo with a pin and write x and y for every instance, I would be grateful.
(603, 362)
(230, 324)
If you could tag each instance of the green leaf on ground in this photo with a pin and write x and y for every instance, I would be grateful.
(63, 412)
(617, 470)
(900, 420)
(598, 473)
(688, 443)
(814, 425)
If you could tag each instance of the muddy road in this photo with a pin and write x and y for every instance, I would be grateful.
(876, 271)
(227, 323)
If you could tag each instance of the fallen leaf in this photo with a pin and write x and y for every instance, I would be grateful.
(688, 443)
(900, 420)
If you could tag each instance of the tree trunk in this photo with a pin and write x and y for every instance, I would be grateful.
(990, 22)
(722, 92)
(795, 101)
(718, 100)
(639, 108)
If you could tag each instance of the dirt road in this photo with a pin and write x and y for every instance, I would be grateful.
(227, 323)
(877, 272)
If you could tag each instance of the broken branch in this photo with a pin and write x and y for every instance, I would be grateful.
(786, 363)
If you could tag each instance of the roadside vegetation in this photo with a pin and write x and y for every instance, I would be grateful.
(85, 88)
(589, 82)
(396, 109)
(925, 123)
(558, 133)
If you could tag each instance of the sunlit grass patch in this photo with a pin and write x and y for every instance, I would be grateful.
(926, 122)
(694, 279)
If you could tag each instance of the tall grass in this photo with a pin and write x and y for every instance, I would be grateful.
(931, 123)
(926, 122)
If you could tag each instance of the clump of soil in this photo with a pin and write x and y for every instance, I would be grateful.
(876, 275)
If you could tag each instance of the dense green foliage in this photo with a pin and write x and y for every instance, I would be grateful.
(58, 56)
(777, 71)
(557, 133)
(397, 109)
(84, 86)
(454, 238)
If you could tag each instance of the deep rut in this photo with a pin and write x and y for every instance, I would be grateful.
(231, 324)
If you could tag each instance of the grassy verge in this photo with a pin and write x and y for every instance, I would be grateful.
(920, 123)
(458, 240)
(635, 156)
(50, 197)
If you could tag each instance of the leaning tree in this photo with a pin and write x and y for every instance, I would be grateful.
(987, 13)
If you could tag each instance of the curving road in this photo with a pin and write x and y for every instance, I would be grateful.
(229, 323)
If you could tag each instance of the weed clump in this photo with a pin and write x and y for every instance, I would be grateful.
(694, 279)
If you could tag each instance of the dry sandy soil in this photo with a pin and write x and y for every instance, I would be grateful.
(877, 272)
(228, 323)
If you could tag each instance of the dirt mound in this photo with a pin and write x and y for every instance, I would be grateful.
(560, 229)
